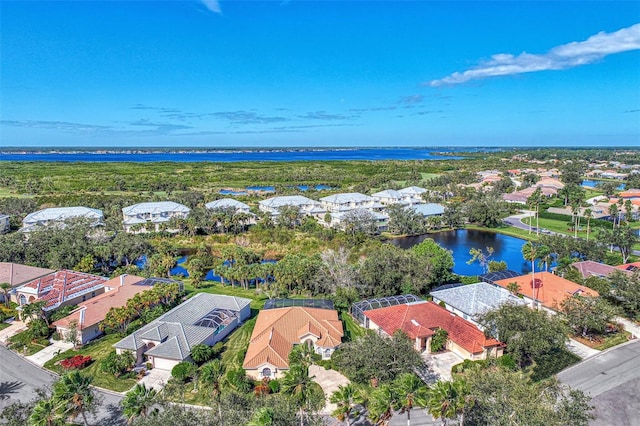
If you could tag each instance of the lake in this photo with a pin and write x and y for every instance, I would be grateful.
(460, 241)
(230, 155)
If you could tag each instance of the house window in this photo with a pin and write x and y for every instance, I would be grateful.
(23, 300)
(266, 372)
(327, 353)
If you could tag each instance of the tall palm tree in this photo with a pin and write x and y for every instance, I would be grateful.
(575, 210)
(531, 251)
(346, 397)
(74, 394)
(381, 404)
(45, 413)
(412, 392)
(297, 384)
(613, 213)
(588, 214)
(448, 401)
(138, 401)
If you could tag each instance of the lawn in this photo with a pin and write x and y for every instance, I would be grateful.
(98, 351)
(257, 301)
(4, 325)
(549, 364)
(25, 345)
(352, 330)
(235, 347)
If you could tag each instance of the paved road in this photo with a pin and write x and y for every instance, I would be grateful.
(612, 379)
(19, 380)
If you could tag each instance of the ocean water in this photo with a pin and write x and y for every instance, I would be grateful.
(336, 154)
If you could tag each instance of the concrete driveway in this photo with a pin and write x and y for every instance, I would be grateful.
(56, 347)
(441, 363)
(155, 378)
(329, 380)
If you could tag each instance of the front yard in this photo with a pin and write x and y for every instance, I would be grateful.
(98, 351)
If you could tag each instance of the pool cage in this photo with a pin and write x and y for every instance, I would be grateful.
(217, 319)
(358, 309)
(492, 277)
(305, 303)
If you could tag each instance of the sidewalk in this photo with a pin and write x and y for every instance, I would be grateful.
(631, 327)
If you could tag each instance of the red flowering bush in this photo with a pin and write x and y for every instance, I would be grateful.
(76, 362)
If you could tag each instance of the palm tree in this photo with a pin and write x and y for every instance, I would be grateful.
(297, 383)
(613, 213)
(137, 401)
(74, 394)
(45, 413)
(212, 376)
(5, 291)
(412, 392)
(381, 404)
(575, 210)
(346, 397)
(588, 213)
(448, 400)
(531, 252)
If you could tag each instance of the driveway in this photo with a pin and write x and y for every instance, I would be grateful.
(612, 379)
(155, 378)
(329, 380)
(56, 347)
(441, 363)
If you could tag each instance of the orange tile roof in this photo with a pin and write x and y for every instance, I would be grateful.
(631, 193)
(421, 319)
(551, 289)
(629, 266)
(277, 330)
(96, 309)
(59, 286)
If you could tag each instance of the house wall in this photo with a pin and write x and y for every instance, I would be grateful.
(256, 373)
(137, 354)
(84, 336)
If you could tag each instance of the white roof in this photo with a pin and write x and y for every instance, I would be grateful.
(412, 190)
(388, 193)
(428, 209)
(62, 213)
(346, 198)
(226, 203)
(155, 207)
(291, 200)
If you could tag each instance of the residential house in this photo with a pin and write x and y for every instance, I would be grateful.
(389, 197)
(58, 215)
(631, 267)
(237, 206)
(143, 216)
(472, 300)
(5, 225)
(88, 315)
(428, 209)
(17, 274)
(589, 268)
(338, 220)
(61, 288)
(306, 206)
(547, 291)
(278, 330)
(203, 319)
(350, 201)
(413, 194)
(420, 320)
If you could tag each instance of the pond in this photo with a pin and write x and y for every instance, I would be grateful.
(460, 241)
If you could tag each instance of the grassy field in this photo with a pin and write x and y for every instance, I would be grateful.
(98, 351)
(236, 346)
(352, 330)
(257, 301)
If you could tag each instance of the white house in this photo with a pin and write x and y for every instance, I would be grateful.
(203, 319)
(58, 215)
(350, 201)
(228, 203)
(390, 197)
(413, 194)
(138, 217)
(305, 205)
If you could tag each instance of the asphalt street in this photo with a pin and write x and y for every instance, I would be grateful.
(612, 379)
(19, 380)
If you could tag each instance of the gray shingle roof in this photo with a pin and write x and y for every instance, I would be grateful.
(475, 299)
(346, 198)
(155, 208)
(226, 203)
(290, 200)
(176, 331)
(429, 209)
(62, 213)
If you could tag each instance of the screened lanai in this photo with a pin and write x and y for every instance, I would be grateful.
(358, 309)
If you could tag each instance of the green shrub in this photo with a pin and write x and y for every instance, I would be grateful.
(183, 371)
(274, 386)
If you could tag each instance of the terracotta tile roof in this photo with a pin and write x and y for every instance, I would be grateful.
(551, 289)
(277, 330)
(631, 193)
(421, 319)
(634, 266)
(59, 286)
(16, 274)
(96, 309)
(590, 268)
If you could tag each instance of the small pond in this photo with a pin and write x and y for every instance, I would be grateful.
(460, 241)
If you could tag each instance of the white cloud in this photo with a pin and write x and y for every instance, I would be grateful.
(212, 5)
(560, 57)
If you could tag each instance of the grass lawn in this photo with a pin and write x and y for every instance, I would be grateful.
(352, 330)
(257, 301)
(552, 363)
(236, 346)
(601, 343)
(98, 351)
(4, 325)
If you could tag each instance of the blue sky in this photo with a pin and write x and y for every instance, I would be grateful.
(301, 73)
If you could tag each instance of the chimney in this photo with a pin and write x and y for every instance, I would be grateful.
(122, 277)
(11, 275)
